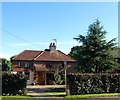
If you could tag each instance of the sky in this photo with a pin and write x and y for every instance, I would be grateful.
(34, 25)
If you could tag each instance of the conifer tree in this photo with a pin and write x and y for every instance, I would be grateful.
(94, 54)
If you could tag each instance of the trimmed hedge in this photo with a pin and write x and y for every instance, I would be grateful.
(84, 83)
(13, 84)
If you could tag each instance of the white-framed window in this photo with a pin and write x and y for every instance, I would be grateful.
(26, 64)
(19, 65)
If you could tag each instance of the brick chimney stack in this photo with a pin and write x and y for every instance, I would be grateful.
(52, 46)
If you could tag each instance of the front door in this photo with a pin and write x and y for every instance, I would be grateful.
(41, 77)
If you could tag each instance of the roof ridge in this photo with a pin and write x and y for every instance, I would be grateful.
(33, 50)
(38, 55)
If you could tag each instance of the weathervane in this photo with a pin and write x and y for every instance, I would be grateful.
(55, 41)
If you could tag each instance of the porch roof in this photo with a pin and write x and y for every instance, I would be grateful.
(40, 67)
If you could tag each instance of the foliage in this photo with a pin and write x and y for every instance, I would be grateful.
(93, 83)
(13, 84)
(94, 54)
(55, 78)
(6, 65)
(58, 78)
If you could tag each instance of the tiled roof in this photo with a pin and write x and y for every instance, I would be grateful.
(54, 55)
(27, 55)
(47, 55)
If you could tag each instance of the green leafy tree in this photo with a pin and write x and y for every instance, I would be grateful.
(6, 65)
(94, 54)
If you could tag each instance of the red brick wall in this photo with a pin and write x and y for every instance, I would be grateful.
(22, 65)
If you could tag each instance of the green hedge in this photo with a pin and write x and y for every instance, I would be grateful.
(93, 83)
(13, 84)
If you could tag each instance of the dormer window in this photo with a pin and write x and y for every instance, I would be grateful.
(26, 64)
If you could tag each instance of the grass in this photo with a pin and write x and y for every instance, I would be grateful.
(17, 96)
(71, 96)
(92, 95)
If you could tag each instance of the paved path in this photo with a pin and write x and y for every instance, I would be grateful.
(46, 90)
(45, 86)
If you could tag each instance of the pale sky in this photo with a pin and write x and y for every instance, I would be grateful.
(33, 25)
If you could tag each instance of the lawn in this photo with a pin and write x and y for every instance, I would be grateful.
(17, 96)
(71, 96)
(92, 95)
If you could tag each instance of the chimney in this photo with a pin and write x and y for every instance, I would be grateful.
(52, 46)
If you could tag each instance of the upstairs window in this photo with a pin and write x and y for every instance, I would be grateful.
(19, 65)
(26, 64)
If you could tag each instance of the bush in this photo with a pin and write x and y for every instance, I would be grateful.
(93, 83)
(13, 84)
(55, 78)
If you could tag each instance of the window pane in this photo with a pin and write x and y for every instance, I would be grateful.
(19, 64)
(26, 64)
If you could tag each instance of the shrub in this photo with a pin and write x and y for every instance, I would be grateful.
(93, 83)
(13, 84)
(55, 78)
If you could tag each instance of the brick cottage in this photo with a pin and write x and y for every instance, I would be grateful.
(38, 64)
